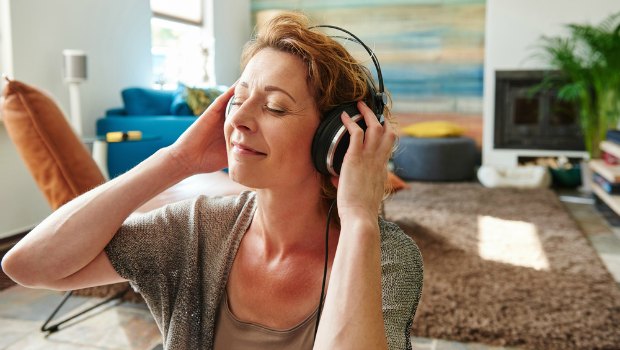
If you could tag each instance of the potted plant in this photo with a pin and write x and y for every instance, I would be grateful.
(588, 60)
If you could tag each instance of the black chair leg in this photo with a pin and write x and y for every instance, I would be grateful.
(54, 328)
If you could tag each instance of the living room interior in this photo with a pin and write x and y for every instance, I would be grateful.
(515, 216)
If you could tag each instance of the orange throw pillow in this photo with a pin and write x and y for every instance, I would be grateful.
(57, 159)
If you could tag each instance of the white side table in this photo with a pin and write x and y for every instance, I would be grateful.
(100, 156)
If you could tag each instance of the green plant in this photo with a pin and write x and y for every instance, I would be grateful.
(589, 62)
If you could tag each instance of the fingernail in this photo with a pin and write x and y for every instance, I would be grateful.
(345, 114)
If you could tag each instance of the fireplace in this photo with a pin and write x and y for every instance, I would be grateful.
(534, 121)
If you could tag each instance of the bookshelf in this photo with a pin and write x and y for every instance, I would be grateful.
(612, 201)
(611, 173)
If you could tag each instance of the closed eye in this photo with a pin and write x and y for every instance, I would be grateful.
(236, 102)
(275, 111)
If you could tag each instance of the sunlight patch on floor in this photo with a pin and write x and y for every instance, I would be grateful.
(511, 242)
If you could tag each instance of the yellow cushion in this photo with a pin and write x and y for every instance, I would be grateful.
(433, 129)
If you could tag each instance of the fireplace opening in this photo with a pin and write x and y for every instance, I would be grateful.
(527, 120)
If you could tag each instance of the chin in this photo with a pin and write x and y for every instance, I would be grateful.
(245, 177)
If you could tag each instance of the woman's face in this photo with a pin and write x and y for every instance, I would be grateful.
(271, 123)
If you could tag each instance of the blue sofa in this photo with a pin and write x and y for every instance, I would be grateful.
(162, 116)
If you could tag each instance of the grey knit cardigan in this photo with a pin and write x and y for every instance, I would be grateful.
(179, 257)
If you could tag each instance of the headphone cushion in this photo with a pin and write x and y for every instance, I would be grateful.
(326, 138)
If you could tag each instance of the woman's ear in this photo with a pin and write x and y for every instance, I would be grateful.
(335, 180)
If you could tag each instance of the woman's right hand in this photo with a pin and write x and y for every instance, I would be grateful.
(202, 147)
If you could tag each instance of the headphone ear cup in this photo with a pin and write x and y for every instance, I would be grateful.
(331, 139)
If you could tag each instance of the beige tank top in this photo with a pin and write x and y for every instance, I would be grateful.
(232, 333)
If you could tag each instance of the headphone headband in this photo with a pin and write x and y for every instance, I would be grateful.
(375, 61)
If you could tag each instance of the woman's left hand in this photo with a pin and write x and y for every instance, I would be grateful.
(364, 168)
(354, 290)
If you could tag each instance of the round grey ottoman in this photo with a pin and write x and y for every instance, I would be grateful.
(435, 159)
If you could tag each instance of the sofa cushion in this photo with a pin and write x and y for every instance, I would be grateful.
(199, 99)
(179, 105)
(57, 159)
(144, 101)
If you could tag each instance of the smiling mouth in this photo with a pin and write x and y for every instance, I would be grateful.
(245, 150)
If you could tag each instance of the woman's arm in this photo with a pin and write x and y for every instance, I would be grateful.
(74, 235)
(353, 317)
(65, 251)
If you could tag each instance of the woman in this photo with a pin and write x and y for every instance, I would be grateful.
(247, 271)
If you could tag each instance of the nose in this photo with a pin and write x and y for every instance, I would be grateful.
(242, 117)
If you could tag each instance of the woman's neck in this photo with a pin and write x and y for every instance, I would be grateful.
(290, 220)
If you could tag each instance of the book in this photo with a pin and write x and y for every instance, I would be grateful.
(613, 135)
(609, 158)
(609, 187)
(611, 147)
(611, 173)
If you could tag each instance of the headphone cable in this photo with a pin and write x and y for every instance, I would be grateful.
(318, 317)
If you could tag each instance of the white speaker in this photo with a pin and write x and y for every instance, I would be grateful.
(74, 66)
(74, 73)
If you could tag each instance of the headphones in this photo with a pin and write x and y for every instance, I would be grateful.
(331, 139)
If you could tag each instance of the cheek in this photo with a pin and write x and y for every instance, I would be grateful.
(227, 132)
(296, 149)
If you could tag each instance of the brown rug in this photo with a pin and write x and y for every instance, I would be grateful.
(506, 267)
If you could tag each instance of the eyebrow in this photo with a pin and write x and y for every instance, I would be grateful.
(272, 88)
(275, 88)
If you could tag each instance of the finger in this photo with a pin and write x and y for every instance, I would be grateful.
(374, 129)
(369, 115)
(389, 137)
(356, 133)
(386, 146)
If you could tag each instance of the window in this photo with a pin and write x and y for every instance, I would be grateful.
(189, 11)
(177, 47)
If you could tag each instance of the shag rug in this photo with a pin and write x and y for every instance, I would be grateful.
(506, 267)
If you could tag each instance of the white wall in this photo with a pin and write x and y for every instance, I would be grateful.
(114, 33)
(229, 27)
(513, 28)
(116, 37)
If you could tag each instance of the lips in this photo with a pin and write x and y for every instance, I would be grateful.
(241, 148)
